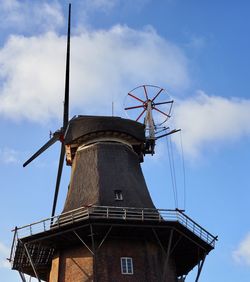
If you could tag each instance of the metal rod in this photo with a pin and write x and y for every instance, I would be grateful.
(176, 243)
(162, 103)
(153, 107)
(141, 114)
(133, 96)
(83, 242)
(22, 276)
(92, 238)
(157, 94)
(145, 91)
(31, 262)
(159, 241)
(135, 107)
(13, 244)
(200, 268)
(171, 132)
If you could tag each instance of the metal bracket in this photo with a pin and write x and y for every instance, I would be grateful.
(83, 242)
(22, 276)
(105, 237)
(200, 265)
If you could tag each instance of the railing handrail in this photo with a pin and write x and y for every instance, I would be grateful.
(50, 218)
(128, 213)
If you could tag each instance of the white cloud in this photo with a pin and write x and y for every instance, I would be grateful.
(105, 64)
(101, 4)
(108, 5)
(8, 5)
(4, 253)
(211, 120)
(242, 253)
(9, 156)
(27, 16)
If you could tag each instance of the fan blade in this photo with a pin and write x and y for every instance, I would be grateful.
(135, 107)
(161, 112)
(65, 116)
(133, 96)
(43, 148)
(66, 96)
(162, 103)
(145, 91)
(157, 94)
(58, 179)
(141, 114)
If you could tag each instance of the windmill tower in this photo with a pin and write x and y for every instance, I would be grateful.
(109, 229)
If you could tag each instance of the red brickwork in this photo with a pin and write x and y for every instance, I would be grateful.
(76, 264)
(148, 261)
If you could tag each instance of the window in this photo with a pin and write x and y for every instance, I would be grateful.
(118, 195)
(127, 265)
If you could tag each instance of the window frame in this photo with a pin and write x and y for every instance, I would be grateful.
(118, 195)
(127, 267)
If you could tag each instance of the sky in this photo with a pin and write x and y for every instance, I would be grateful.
(197, 50)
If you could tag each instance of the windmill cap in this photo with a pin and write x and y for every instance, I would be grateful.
(83, 127)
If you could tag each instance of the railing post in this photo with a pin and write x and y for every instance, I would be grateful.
(107, 212)
(13, 244)
(142, 214)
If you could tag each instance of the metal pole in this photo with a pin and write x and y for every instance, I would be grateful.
(168, 254)
(94, 254)
(22, 276)
(13, 244)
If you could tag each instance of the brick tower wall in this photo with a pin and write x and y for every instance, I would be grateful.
(77, 263)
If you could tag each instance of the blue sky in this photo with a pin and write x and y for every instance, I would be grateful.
(197, 50)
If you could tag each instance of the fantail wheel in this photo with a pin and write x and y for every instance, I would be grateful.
(148, 102)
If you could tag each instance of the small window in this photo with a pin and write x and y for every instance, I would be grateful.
(127, 265)
(118, 195)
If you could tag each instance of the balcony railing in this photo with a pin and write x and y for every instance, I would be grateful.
(113, 213)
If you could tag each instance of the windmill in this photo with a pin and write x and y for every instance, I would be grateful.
(109, 229)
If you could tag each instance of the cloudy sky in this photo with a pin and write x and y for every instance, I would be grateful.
(197, 50)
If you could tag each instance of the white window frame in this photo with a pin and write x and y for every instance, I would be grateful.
(118, 195)
(125, 261)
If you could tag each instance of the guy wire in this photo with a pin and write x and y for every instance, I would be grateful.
(184, 170)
